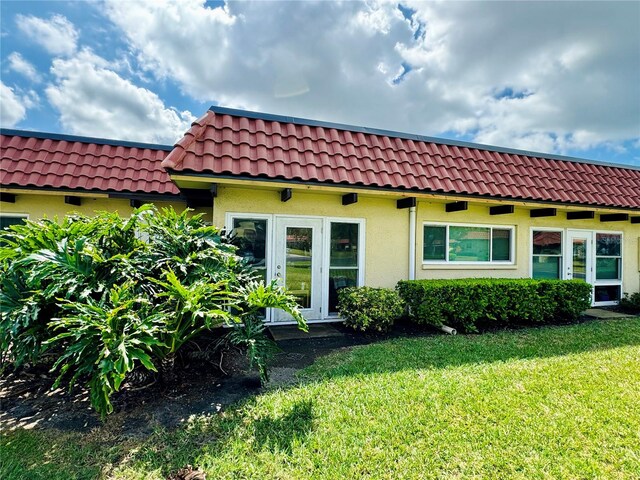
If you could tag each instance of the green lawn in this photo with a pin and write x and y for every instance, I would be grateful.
(560, 402)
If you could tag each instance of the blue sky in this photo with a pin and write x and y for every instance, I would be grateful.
(557, 77)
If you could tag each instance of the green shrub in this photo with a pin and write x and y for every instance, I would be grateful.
(114, 294)
(631, 303)
(367, 308)
(469, 304)
(569, 298)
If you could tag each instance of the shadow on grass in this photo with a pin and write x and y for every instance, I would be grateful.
(282, 432)
(250, 425)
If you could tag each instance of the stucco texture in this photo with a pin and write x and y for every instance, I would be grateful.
(386, 227)
(37, 206)
(387, 230)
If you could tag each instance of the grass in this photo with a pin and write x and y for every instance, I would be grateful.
(556, 402)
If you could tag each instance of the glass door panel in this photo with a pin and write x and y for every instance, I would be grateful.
(250, 236)
(297, 262)
(299, 257)
(343, 260)
(579, 258)
(579, 262)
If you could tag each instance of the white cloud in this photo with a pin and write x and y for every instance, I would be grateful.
(94, 100)
(549, 76)
(13, 106)
(18, 64)
(376, 18)
(57, 35)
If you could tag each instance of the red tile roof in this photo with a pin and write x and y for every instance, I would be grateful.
(248, 144)
(30, 159)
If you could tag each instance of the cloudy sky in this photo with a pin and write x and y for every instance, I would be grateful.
(558, 77)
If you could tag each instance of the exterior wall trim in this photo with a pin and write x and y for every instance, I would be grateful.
(281, 183)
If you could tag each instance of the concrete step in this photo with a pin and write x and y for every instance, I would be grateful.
(292, 332)
(601, 313)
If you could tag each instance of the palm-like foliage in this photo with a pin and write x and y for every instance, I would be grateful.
(105, 340)
(113, 293)
(76, 259)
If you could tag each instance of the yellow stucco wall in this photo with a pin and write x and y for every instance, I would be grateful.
(386, 227)
(433, 211)
(387, 230)
(51, 205)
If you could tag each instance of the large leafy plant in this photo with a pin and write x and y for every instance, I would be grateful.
(115, 294)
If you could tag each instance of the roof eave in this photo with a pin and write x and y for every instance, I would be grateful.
(400, 190)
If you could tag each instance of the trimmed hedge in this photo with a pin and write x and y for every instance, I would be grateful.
(630, 303)
(367, 308)
(468, 304)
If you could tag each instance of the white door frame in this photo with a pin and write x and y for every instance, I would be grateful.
(591, 261)
(281, 255)
(589, 237)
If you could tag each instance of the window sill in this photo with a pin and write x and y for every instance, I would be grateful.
(468, 266)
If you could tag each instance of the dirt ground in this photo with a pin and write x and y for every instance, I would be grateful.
(28, 401)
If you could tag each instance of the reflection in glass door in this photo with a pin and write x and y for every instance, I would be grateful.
(297, 267)
(579, 258)
(343, 260)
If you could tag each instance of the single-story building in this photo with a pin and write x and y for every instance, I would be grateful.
(322, 206)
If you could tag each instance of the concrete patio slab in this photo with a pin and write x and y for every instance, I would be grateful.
(292, 332)
(601, 313)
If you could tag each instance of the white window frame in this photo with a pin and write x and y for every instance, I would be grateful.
(563, 239)
(15, 215)
(607, 282)
(326, 247)
(326, 263)
(512, 246)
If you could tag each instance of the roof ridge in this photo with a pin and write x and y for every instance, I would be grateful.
(81, 139)
(410, 136)
(177, 154)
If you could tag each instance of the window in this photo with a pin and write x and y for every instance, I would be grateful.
(467, 244)
(8, 220)
(608, 282)
(546, 261)
(250, 236)
(608, 256)
(343, 259)
(606, 293)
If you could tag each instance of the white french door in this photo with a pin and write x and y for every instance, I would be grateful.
(297, 262)
(579, 262)
(313, 257)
